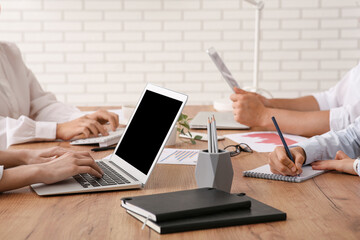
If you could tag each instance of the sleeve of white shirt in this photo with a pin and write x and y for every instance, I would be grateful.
(329, 99)
(341, 115)
(45, 107)
(324, 147)
(24, 129)
(1, 171)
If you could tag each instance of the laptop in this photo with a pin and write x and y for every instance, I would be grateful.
(138, 150)
(224, 120)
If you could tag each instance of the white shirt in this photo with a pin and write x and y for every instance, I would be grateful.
(343, 100)
(27, 113)
(324, 147)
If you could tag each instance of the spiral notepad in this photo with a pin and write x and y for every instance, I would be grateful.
(265, 173)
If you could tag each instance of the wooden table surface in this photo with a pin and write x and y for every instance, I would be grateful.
(326, 207)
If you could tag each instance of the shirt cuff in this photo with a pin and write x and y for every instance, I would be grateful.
(312, 150)
(356, 166)
(338, 119)
(1, 171)
(322, 101)
(45, 130)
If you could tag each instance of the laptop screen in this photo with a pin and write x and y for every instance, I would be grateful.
(147, 130)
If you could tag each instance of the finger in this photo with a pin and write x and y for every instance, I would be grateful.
(89, 170)
(82, 130)
(88, 161)
(236, 90)
(80, 136)
(113, 120)
(99, 116)
(90, 125)
(299, 161)
(59, 151)
(239, 91)
(281, 168)
(85, 133)
(117, 120)
(100, 128)
(340, 155)
(275, 165)
(233, 97)
(83, 153)
(235, 106)
(48, 159)
(282, 163)
(324, 165)
(95, 127)
(273, 170)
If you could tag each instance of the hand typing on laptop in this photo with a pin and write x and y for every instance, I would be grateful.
(25, 167)
(90, 125)
(127, 167)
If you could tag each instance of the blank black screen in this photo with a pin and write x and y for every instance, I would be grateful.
(147, 130)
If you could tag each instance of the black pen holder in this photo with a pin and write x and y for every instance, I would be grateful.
(214, 170)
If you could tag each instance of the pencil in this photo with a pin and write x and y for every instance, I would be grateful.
(215, 136)
(209, 136)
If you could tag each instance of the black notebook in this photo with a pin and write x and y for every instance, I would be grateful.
(181, 204)
(258, 213)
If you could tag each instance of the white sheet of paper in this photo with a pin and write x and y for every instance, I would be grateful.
(178, 156)
(108, 157)
(174, 156)
(264, 141)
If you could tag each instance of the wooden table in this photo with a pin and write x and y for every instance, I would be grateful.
(326, 207)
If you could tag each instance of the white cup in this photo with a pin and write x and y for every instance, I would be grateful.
(172, 139)
(128, 111)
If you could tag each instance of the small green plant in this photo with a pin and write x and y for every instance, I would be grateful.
(183, 127)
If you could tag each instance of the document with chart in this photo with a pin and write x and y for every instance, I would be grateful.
(179, 156)
(264, 141)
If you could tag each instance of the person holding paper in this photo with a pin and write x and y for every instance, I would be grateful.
(334, 150)
(334, 109)
(26, 167)
(28, 113)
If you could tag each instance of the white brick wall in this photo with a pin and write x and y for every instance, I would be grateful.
(102, 52)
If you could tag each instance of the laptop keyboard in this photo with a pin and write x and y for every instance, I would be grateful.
(110, 177)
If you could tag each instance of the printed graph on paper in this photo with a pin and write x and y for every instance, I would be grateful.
(179, 156)
(264, 141)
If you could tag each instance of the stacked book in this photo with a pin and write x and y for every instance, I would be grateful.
(196, 209)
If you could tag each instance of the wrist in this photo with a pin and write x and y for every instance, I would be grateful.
(37, 173)
(268, 102)
(265, 119)
(23, 156)
(58, 130)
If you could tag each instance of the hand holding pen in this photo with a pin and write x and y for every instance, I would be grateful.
(282, 160)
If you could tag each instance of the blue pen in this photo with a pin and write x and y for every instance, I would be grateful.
(282, 139)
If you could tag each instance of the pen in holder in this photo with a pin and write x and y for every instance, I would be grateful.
(214, 170)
